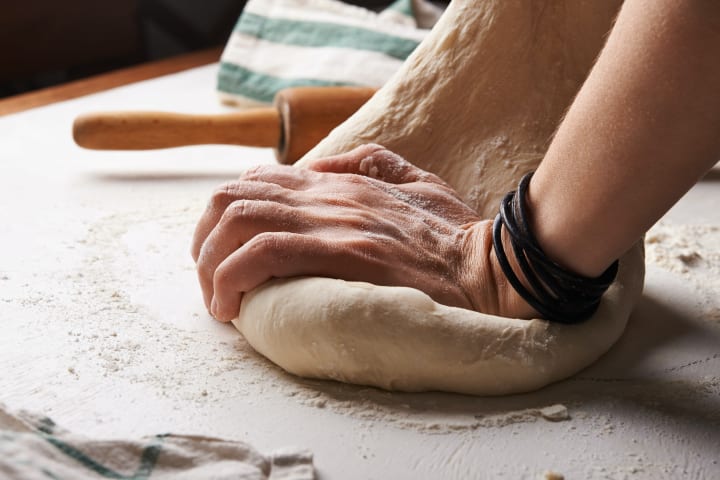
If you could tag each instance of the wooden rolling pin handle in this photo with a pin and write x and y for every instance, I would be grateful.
(309, 114)
(149, 130)
(301, 117)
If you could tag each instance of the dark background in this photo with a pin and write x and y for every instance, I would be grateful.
(48, 42)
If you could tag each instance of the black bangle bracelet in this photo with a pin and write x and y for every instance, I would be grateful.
(559, 295)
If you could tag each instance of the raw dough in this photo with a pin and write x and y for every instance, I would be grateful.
(476, 104)
(479, 99)
(398, 338)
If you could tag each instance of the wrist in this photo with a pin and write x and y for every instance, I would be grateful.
(564, 229)
(558, 294)
(483, 280)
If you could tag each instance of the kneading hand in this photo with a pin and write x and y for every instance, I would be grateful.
(366, 215)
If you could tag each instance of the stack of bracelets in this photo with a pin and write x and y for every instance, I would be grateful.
(557, 294)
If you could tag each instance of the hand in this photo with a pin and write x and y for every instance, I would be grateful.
(366, 215)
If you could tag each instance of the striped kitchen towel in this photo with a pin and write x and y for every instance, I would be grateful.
(33, 447)
(287, 43)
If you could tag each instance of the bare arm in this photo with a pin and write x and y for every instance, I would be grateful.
(643, 129)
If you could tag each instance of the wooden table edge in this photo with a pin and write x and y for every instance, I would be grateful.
(106, 81)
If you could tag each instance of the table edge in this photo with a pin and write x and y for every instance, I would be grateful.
(106, 81)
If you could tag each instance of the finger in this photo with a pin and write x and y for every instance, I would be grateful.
(229, 193)
(266, 256)
(241, 221)
(377, 162)
(348, 162)
(286, 176)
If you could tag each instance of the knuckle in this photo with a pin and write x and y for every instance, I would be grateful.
(265, 241)
(371, 149)
(224, 194)
(239, 210)
(221, 277)
(356, 180)
(268, 243)
(257, 171)
(384, 155)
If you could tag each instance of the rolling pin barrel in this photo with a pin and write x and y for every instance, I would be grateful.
(309, 114)
(301, 117)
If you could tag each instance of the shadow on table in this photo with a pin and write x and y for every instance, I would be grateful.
(640, 374)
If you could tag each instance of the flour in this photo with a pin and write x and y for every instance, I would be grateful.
(693, 252)
(430, 412)
(690, 250)
(113, 334)
(180, 362)
(112, 330)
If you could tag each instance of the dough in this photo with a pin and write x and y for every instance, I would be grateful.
(398, 338)
(479, 99)
(476, 103)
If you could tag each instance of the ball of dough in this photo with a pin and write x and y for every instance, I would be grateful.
(398, 338)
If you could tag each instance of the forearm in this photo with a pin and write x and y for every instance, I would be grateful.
(643, 129)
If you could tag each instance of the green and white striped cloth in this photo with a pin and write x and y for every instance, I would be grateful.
(33, 447)
(278, 44)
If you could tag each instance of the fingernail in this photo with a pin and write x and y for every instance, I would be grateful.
(213, 307)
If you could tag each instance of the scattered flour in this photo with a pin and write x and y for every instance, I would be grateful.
(692, 251)
(122, 338)
(112, 333)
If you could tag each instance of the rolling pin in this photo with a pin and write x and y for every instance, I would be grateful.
(299, 119)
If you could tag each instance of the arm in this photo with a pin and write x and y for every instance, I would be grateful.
(643, 129)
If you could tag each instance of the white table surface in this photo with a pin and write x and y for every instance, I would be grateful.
(102, 327)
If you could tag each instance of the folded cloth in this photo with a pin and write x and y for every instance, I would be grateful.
(278, 44)
(33, 447)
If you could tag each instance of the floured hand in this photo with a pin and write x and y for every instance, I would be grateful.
(366, 215)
